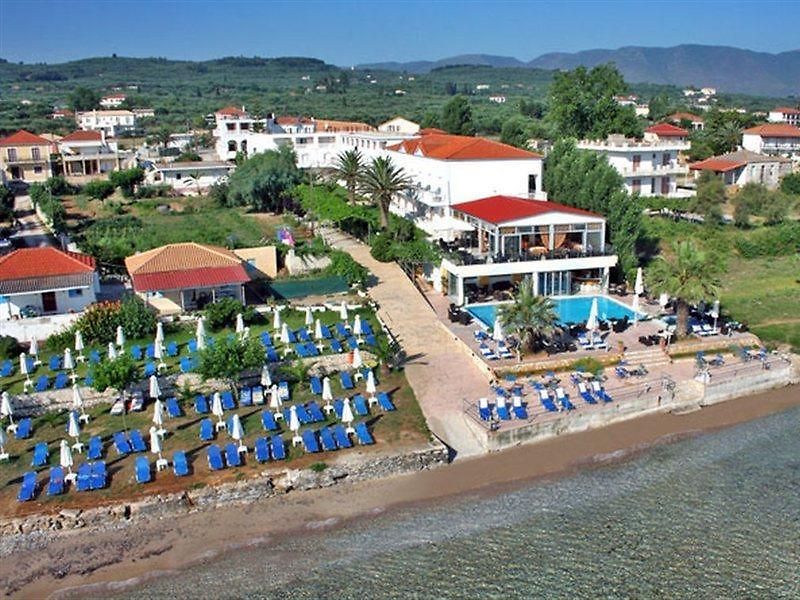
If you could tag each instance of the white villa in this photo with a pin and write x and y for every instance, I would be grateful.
(189, 178)
(112, 122)
(399, 125)
(742, 167)
(88, 154)
(507, 239)
(650, 167)
(773, 138)
(113, 100)
(784, 114)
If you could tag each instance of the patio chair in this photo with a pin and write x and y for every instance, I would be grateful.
(55, 363)
(143, 474)
(364, 436)
(136, 440)
(315, 412)
(40, 455)
(277, 448)
(520, 411)
(180, 465)
(206, 430)
(227, 400)
(42, 383)
(326, 438)
(201, 404)
(149, 369)
(214, 454)
(360, 407)
(95, 448)
(61, 381)
(232, 455)
(24, 427)
(341, 437)
(83, 479)
(121, 443)
(484, 412)
(172, 349)
(385, 402)
(7, 369)
(55, 483)
(173, 408)
(262, 450)
(316, 386)
(28, 489)
(310, 443)
(346, 380)
(268, 421)
(136, 352)
(99, 475)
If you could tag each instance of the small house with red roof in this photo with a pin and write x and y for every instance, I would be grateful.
(666, 131)
(46, 281)
(507, 239)
(87, 155)
(690, 119)
(25, 156)
(785, 114)
(742, 167)
(773, 138)
(447, 169)
(113, 100)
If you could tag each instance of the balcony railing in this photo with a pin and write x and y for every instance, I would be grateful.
(462, 257)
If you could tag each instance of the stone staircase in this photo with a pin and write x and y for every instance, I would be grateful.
(650, 357)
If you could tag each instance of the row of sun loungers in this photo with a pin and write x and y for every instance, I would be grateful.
(552, 400)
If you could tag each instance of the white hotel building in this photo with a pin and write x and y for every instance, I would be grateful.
(650, 167)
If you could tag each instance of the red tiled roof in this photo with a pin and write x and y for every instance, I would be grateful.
(43, 262)
(718, 165)
(83, 136)
(114, 96)
(24, 138)
(684, 116)
(232, 111)
(775, 130)
(501, 209)
(290, 120)
(787, 110)
(667, 130)
(189, 278)
(431, 130)
(460, 147)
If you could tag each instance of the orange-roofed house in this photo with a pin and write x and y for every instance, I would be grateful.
(666, 131)
(742, 167)
(694, 121)
(87, 155)
(773, 138)
(187, 276)
(25, 156)
(448, 169)
(785, 114)
(46, 281)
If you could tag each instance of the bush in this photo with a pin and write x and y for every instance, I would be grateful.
(588, 365)
(136, 318)
(63, 339)
(790, 184)
(382, 248)
(59, 186)
(318, 467)
(153, 191)
(343, 265)
(127, 180)
(781, 240)
(9, 347)
(222, 313)
(99, 189)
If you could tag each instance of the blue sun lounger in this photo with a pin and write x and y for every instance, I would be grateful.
(315, 412)
(23, 429)
(310, 441)
(316, 386)
(232, 455)
(326, 332)
(136, 353)
(385, 402)
(227, 400)
(150, 351)
(95, 449)
(55, 362)
(341, 437)
(283, 390)
(360, 405)
(83, 480)
(303, 415)
(28, 489)
(600, 392)
(180, 466)
(341, 329)
(42, 383)
(272, 356)
(277, 449)
(88, 381)
(268, 421)
(370, 340)
(302, 335)
(121, 444)
(173, 408)
(215, 458)
(99, 475)
(520, 410)
(266, 339)
(149, 369)
(262, 450)
(142, 470)
(336, 346)
(137, 443)
(7, 369)
(60, 381)
(326, 437)
(192, 345)
(172, 349)
(300, 350)
(503, 412)
(364, 436)
(186, 364)
(352, 342)
(94, 357)
(201, 405)
(311, 349)
(338, 407)
(206, 430)
(484, 412)
(246, 397)
(585, 394)
(346, 380)
(55, 483)
(40, 455)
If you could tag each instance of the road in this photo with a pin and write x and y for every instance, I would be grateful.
(31, 232)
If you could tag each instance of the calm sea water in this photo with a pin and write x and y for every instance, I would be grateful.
(570, 310)
(716, 516)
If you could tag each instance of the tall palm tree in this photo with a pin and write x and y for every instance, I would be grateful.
(382, 181)
(689, 275)
(349, 166)
(530, 317)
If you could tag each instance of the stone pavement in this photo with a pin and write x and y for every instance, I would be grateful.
(441, 374)
(31, 231)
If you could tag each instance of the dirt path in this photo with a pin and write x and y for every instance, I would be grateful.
(31, 232)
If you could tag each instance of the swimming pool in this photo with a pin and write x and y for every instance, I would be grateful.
(571, 310)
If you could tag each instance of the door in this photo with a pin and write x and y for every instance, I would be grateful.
(49, 304)
(637, 161)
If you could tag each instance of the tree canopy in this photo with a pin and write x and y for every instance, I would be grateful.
(382, 181)
(83, 98)
(264, 181)
(582, 104)
(710, 197)
(457, 117)
(532, 318)
(228, 357)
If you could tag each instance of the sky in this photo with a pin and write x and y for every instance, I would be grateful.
(349, 33)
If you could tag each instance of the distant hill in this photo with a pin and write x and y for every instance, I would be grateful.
(731, 70)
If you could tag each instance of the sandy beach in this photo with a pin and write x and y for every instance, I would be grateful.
(80, 564)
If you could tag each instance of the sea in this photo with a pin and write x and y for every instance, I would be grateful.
(712, 516)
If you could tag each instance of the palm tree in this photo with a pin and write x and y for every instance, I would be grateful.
(530, 317)
(689, 275)
(382, 181)
(349, 166)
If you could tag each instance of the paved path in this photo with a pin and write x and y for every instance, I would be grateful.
(439, 372)
(31, 233)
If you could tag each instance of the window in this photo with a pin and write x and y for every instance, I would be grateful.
(12, 154)
(76, 293)
(531, 184)
(637, 185)
(36, 153)
(37, 169)
(231, 126)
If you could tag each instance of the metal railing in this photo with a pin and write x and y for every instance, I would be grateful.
(464, 257)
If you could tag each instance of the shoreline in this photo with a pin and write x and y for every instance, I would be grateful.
(107, 563)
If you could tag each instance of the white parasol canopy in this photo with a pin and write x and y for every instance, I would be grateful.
(357, 328)
(371, 388)
(497, 332)
(327, 394)
(120, 336)
(276, 319)
(347, 416)
(357, 361)
(155, 389)
(284, 333)
(275, 401)
(591, 321)
(23, 364)
(266, 380)
(638, 286)
(158, 351)
(3, 453)
(309, 317)
(34, 349)
(155, 442)
(79, 342)
(158, 415)
(69, 362)
(216, 406)
(77, 401)
(317, 330)
(294, 425)
(635, 309)
(239, 323)
(200, 334)
(237, 432)
(343, 311)
(74, 430)
(65, 458)
(663, 299)
(159, 333)
(112, 352)
(6, 410)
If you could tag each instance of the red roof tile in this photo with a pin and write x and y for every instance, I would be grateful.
(684, 116)
(83, 136)
(189, 278)
(460, 147)
(787, 110)
(501, 209)
(232, 111)
(667, 130)
(24, 138)
(43, 262)
(775, 130)
(718, 165)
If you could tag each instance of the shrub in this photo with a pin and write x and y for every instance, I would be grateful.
(222, 313)
(588, 365)
(318, 467)
(343, 265)
(99, 189)
(99, 322)
(136, 318)
(60, 340)
(59, 186)
(153, 191)
(116, 374)
(781, 240)
(790, 184)
(382, 248)
(127, 180)
(9, 347)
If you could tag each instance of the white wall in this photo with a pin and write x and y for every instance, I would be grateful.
(64, 302)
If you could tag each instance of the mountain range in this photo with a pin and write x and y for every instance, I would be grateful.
(730, 70)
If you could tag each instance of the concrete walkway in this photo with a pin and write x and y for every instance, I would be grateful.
(441, 374)
(31, 232)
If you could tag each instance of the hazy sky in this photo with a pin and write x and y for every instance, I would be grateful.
(346, 33)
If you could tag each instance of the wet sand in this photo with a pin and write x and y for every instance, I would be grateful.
(79, 564)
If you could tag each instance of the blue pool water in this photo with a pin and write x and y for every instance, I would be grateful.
(570, 310)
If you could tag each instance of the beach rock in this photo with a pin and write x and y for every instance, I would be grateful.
(70, 513)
